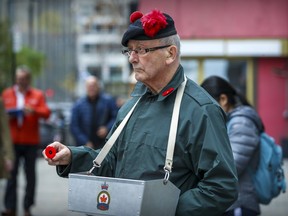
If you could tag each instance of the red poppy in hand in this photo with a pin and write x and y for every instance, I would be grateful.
(153, 22)
(50, 152)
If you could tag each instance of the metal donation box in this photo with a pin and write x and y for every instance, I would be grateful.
(95, 195)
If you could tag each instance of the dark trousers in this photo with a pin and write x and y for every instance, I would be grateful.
(27, 153)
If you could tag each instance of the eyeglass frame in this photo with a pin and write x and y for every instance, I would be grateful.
(128, 52)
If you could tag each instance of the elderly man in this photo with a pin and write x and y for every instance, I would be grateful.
(203, 167)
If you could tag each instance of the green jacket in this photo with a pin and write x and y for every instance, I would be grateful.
(203, 165)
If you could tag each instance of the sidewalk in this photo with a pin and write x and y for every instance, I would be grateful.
(52, 194)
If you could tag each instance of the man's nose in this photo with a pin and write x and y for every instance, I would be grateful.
(133, 56)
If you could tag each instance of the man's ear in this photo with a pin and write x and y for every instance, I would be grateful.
(171, 54)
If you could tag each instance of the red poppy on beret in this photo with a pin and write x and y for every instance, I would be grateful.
(135, 15)
(154, 25)
(153, 22)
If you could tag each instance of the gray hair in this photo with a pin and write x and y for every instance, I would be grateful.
(24, 68)
(172, 40)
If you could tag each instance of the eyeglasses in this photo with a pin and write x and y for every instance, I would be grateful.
(142, 51)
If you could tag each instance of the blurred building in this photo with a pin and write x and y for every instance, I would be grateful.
(77, 37)
(245, 42)
(100, 26)
(47, 27)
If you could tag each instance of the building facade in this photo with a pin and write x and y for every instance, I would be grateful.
(100, 26)
(245, 42)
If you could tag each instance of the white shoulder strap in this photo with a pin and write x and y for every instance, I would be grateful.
(171, 140)
(110, 142)
(173, 127)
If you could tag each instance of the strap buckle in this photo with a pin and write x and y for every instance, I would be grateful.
(167, 176)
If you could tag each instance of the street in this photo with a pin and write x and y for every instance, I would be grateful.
(52, 194)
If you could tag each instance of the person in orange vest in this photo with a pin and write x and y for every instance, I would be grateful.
(25, 106)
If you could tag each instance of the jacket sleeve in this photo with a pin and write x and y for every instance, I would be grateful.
(244, 138)
(75, 127)
(213, 164)
(82, 161)
(42, 110)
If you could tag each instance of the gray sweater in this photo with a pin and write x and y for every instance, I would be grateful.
(244, 126)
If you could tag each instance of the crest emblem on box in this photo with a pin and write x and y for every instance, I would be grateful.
(103, 198)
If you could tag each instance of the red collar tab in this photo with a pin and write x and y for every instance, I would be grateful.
(168, 91)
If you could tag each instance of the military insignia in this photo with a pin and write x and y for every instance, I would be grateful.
(103, 198)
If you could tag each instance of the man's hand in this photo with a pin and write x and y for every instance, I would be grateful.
(90, 145)
(62, 157)
(102, 132)
(8, 164)
(28, 110)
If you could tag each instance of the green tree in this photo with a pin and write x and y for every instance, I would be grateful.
(7, 59)
(33, 59)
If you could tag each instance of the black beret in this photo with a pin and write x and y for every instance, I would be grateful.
(153, 25)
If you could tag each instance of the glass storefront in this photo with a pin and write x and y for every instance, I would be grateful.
(236, 71)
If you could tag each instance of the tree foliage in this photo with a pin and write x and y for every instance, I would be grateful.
(33, 59)
(6, 55)
(9, 60)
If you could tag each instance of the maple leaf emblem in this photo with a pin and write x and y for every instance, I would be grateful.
(103, 198)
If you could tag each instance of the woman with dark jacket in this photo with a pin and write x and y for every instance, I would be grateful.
(243, 126)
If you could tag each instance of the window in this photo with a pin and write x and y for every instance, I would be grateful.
(115, 73)
(239, 72)
(191, 68)
(235, 71)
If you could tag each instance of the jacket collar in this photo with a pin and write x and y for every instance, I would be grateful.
(16, 89)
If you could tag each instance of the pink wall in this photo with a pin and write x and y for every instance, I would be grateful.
(239, 19)
(225, 18)
(272, 96)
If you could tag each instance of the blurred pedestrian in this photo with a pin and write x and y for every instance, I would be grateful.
(25, 106)
(203, 166)
(93, 116)
(6, 147)
(243, 133)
